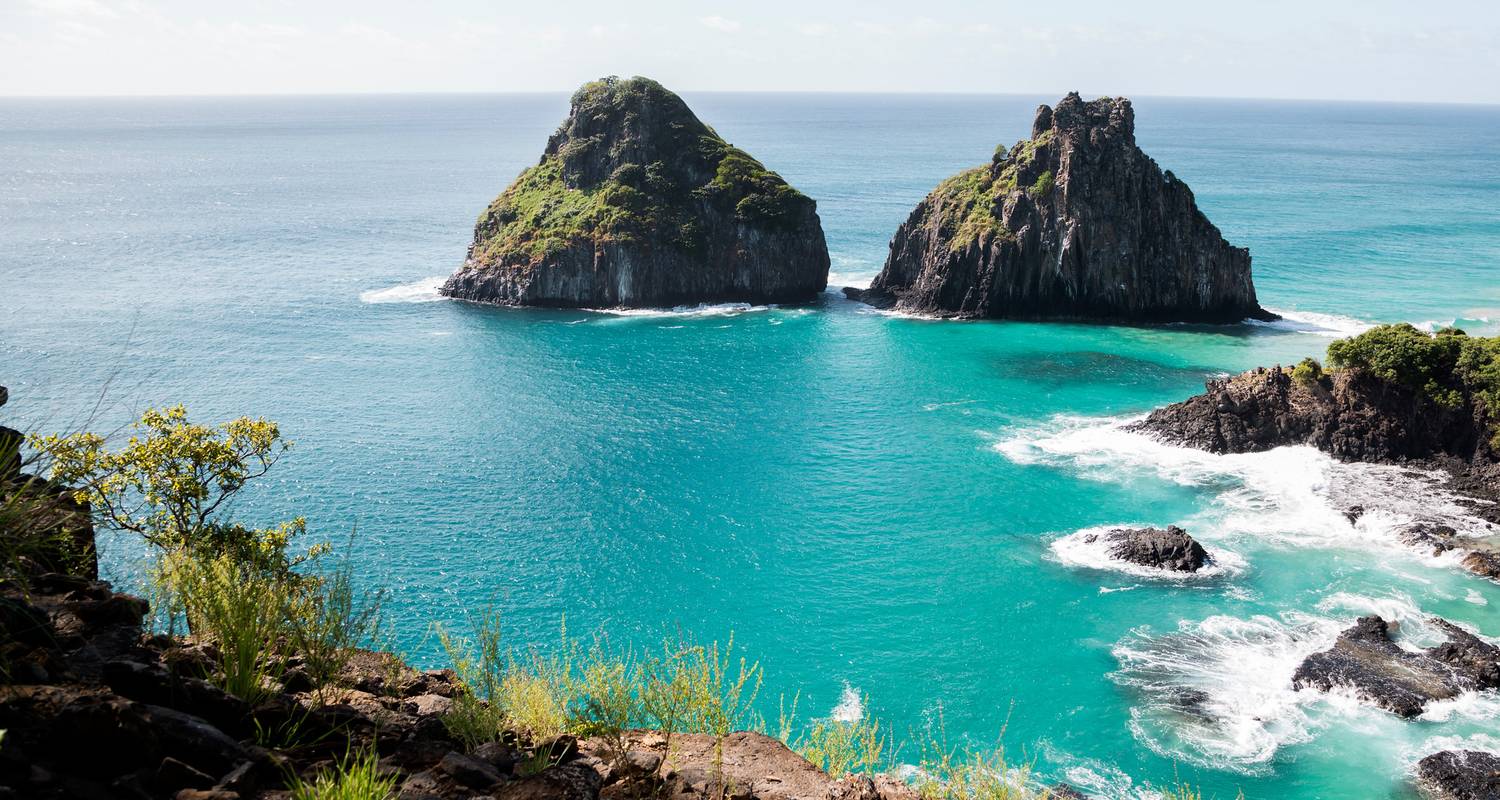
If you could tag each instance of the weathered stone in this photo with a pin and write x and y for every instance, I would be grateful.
(1075, 223)
(1460, 775)
(469, 771)
(1368, 662)
(1170, 549)
(572, 781)
(636, 202)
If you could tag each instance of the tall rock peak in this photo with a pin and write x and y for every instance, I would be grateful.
(637, 202)
(1075, 222)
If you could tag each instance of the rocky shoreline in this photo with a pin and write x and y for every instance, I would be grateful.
(1354, 415)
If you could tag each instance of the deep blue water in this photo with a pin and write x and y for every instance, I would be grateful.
(868, 502)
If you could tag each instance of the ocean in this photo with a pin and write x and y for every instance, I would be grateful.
(873, 505)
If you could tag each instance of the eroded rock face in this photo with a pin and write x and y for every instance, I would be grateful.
(1460, 775)
(1074, 223)
(636, 202)
(1351, 414)
(1367, 661)
(1170, 548)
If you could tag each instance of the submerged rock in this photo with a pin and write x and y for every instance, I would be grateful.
(1368, 662)
(1170, 549)
(1460, 775)
(1074, 223)
(636, 202)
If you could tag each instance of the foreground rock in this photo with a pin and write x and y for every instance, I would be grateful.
(1169, 549)
(1366, 661)
(1460, 775)
(1074, 223)
(636, 202)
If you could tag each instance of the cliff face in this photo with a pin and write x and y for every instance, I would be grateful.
(636, 202)
(1074, 223)
(1351, 414)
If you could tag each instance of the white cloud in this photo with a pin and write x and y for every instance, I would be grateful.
(73, 8)
(719, 23)
(815, 29)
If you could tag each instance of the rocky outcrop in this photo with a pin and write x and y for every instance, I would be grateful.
(1074, 223)
(1351, 414)
(46, 527)
(636, 202)
(1169, 549)
(1460, 775)
(1366, 661)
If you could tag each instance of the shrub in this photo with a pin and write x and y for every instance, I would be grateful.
(1042, 187)
(840, 747)
(1404, 355)
(1307, 372)
(237, 608)
(357, 777)
(172, 479)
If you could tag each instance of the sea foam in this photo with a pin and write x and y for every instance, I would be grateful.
(422, 291)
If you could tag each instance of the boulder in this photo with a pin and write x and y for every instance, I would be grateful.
(1366, 661)
(637, 203)
(1074, 223)
(1170, 549)
(1460, 775)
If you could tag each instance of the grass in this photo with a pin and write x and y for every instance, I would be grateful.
(840, 747)
(357, 777)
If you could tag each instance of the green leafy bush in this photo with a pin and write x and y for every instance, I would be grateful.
(1406, 356)
(1307, 372)
(1042, 187)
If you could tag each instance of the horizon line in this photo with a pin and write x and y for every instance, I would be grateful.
(871, 92)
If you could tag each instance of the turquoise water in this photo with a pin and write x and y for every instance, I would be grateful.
(872, 504)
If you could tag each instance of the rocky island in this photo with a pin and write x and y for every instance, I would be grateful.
(1074, 223)
(638, 203)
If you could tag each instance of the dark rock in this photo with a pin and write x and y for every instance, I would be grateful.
(636, 202)
(573, 781)
(501, 756)
(469, 771)
(10, 452)
(1367, 661)
(1170, 549)
(560, 749)
(60, 529)
(1460, 775)
(154, 684)
(172, 775)
(1062, 791)
(1351, 414)
(1075, 223)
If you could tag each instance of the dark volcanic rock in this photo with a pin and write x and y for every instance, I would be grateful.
(636, 202)
(1170, 549)
(1350, 414)
(1366, 661)
(1074, 223)
(1460, 775)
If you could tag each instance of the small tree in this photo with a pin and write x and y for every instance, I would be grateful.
(173, 481)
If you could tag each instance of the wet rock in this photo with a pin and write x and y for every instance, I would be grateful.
(636, 202)
(1075, 223)
(1368, 662)
(1170, 548)
(1062, 791)
(1460, 775)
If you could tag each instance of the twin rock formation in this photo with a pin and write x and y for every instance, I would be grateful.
(638, 203)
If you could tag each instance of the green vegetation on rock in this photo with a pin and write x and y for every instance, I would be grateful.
(1446, 367)
(1307, 372)
(563, 202)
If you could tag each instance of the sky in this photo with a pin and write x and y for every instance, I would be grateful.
(1428, 51)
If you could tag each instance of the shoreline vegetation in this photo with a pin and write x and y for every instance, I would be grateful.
(247, 675)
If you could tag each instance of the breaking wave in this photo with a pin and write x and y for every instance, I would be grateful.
(1334, 326)
(422, 291)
